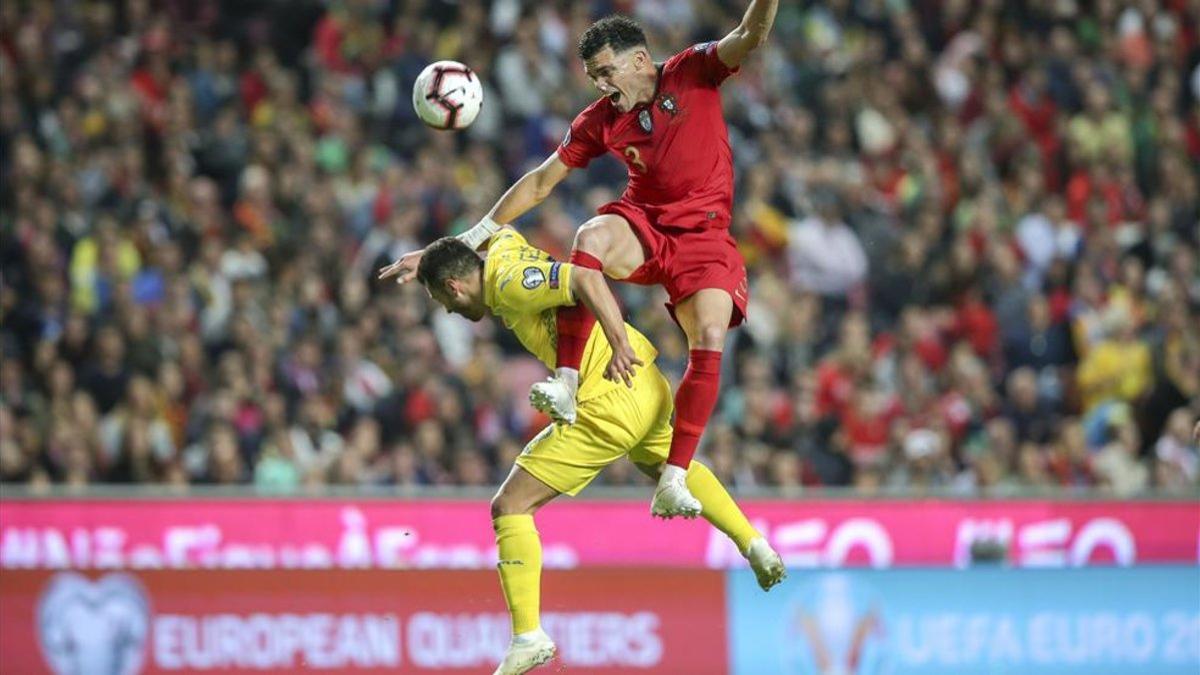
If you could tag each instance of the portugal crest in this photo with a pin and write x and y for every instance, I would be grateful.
(667, 104)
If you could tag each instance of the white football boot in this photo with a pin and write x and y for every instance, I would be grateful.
(554, 397)
(766, 563)
(526, 652)
(672, 497)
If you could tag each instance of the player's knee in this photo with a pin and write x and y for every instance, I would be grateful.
(593, 237)
(500, 505)
(711, 336)
(504, 504)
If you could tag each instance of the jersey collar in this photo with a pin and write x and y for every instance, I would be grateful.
(658, 75)
(489, 296)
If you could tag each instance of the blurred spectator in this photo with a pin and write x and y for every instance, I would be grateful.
(925, 463)
(1176, 453)
(826, 256)
(1031, 418)
(1116, 464)
(1036, 341)
(1118, 367)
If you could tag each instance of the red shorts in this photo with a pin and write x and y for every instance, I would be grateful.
(684, 261)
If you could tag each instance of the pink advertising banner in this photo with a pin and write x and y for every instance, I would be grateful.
(381, 534)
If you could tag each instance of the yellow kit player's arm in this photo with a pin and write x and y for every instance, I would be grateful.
(526, 279)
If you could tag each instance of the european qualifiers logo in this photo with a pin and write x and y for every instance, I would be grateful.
(532, 278)
(108, 627)
(100, 627)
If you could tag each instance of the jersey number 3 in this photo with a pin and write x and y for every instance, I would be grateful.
(635, 158)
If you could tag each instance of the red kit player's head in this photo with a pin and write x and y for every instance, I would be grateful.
(617, 60)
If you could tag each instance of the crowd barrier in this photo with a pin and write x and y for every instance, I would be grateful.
(389, 534)
(991, 620)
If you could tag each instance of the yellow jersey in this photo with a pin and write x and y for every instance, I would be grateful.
(524, 286)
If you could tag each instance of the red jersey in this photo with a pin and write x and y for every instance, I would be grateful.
(676, 148)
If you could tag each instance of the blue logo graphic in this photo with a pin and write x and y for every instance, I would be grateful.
(993, 621)
(834, 624)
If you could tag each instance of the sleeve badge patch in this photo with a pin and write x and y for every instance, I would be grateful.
(532, 278)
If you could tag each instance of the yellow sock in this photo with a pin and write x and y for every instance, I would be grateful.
(718, 507)
(520, 566)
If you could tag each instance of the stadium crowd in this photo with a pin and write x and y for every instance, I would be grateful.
(971, 229)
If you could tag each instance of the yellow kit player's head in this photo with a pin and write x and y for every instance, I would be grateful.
(453, 275)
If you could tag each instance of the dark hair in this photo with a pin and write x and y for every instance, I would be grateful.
(447, 258)
(617, 31)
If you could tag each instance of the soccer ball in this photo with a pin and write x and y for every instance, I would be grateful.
(447, 95)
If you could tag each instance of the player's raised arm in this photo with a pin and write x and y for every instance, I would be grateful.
(529, 191)
(589, 286)
(750, 34)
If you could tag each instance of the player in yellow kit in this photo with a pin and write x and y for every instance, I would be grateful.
(623, 410)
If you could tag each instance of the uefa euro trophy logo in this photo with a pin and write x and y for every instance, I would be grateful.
(87, 627)
(835, 626)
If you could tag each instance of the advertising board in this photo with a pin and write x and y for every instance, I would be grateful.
(361, 621)
(994, 621)
(377, 534)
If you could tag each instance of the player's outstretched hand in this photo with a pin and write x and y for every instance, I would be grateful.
(621, 365)
(1196, 433)
(404, 269)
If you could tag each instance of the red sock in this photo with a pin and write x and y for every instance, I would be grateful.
(574, 323)
(694, 404)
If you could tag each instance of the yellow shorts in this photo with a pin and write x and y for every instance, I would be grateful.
(625, 421)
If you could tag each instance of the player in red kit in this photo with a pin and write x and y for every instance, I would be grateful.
(671, 225)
